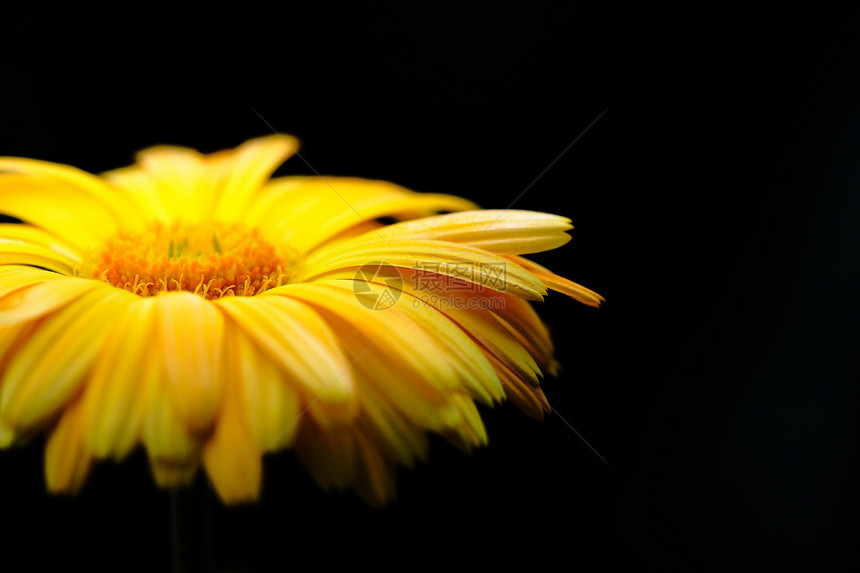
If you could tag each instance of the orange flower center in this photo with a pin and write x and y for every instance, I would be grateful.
(211, 260)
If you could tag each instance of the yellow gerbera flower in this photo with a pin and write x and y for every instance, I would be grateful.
(192, 305)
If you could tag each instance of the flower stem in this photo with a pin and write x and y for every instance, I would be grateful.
(191, 529)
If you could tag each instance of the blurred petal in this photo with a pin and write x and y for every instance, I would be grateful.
(66, 462)
(49, 368)
(190, 338)
(250, 165)
(113, 408)
(231, 457)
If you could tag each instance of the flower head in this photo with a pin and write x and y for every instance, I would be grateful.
(194, 306)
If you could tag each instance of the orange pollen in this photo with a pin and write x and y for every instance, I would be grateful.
(211, 260)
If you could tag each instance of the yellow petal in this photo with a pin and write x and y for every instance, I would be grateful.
(402, 440)
(523, 394)
(113, 399)
(310, 210)
(18, 252)
(493, 336)
(66, 462)
(49, 369)
(36, 236)
(498, 231)
(141, 188)
(437, 257)
(560, 284)
(468, 432)
(251, 164)
(272, 403)
(76, 181)
(12, 337)
(231, 457)
(180, 178)
(521, 320)
(75, 216)
(14, 277)
(43, 298)
(166, 438)
(323, 224)
(304, 347)
(174, 455)
(190, 339)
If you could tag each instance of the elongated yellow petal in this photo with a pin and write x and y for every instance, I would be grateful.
(35, 300)
(271, 401)
(174, 455)
(479, 378)
(251, 164)
(521, 320)
(18, 252)
(180, 178)
(560, 284)
(169, 444)
(543, 358)
(42, 238)
(113, 401)
(231, 457)
(138, 185)
(349, 234)
(303, 345)
(402, 440)
(324, 224)
(15, 277)
(498, 231)
(49, 369)
(468, 432)
(310, 210)
(524, 395)
(498, 341)
(66, 462)
(439, 257)
(190, 341)
(79, 183)
(76, 217)
(12, 337)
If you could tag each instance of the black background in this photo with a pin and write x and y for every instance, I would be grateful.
(715, 206)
